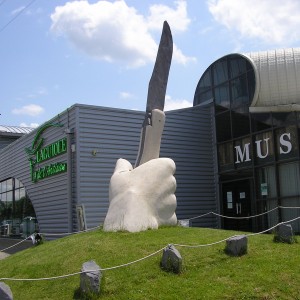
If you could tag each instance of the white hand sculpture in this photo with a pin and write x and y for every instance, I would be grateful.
(143, 197)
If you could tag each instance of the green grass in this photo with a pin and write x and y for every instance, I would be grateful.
(268, 271)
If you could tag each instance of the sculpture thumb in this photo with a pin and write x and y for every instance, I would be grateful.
(123, 165)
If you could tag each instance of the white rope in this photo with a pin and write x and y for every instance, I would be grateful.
(51, 234)
(89, 271)
(293, 207)
(222, 216)
(2, 250)
(285, 222)
(203, 245)
(201, 216)
(69, 233)
(143, 258)
(247, 217)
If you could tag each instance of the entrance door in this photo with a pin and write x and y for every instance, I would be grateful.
(236, 203)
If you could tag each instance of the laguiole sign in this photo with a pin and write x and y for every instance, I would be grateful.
(38, 154)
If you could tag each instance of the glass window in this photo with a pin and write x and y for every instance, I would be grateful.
(3, 187)
(222, 95)
(251, 85)
(240, 123)
(220, 71)
(3, 197)
(261, 121)
(17, 183)
(266, 182)
(289, 179)
(264, 147)
(205, 81)
(237, 66)
(9, 196)
(225, 152)
(289, 214)
(9, 184)
(203, 97)
(223, 125)
(17, 194)
(282, 119)
(286, 142)
(239, 92)
(14, 205)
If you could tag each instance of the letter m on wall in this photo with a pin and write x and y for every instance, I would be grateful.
(242, 155)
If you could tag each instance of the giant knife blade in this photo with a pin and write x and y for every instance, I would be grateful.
(154, 121)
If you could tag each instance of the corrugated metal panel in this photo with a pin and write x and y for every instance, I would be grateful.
(277, 80)
(15, 129)
(188, 140)
(110, 134)
(114, 134)
(49, 196)
(6, 140)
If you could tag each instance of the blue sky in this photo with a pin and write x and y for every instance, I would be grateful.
(57, 53)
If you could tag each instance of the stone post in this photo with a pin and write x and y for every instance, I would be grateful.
(237, 245)
(171, 260)
(90, 281)
(284, 233)
(5, 292)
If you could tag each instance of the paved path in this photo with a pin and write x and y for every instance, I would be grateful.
(7, 242)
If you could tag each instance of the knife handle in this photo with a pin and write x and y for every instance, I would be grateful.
(151, 138)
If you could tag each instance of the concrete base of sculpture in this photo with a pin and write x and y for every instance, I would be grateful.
(141, 198)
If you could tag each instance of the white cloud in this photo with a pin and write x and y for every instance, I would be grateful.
(30, 110)
(17, 10)
(31, 125)
(271, 21)
(38, 93)
(177, 18)
(115, 32)
(126, 95)
(172, 104)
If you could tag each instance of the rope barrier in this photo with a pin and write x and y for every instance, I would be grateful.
(219, 215)
(69, 233)
(143, 258)
(88, 271)
(284, 222)
(2, 250)
(246, 217)
(51, 234)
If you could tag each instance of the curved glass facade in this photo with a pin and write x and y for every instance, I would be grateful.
(258, 153)
(17, 216)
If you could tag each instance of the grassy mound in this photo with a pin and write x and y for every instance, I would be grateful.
(269, 270)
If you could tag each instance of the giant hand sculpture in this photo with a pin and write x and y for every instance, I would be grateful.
(143, 197)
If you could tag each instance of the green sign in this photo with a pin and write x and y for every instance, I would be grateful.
(37, 154)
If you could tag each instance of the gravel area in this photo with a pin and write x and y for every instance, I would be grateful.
(3, 255)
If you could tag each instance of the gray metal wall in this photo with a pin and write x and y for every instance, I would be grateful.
(97, 137)
(6, 140)
(111, 133)
(188, 140)
(48, 196)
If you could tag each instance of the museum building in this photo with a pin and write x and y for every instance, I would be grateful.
(236, 153)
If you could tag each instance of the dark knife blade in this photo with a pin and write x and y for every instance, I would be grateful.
(159, 78)
(155, 118)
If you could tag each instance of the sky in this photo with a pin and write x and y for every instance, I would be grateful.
(56, 53)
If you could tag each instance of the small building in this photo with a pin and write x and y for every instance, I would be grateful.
(61, 170)
(236, 152)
